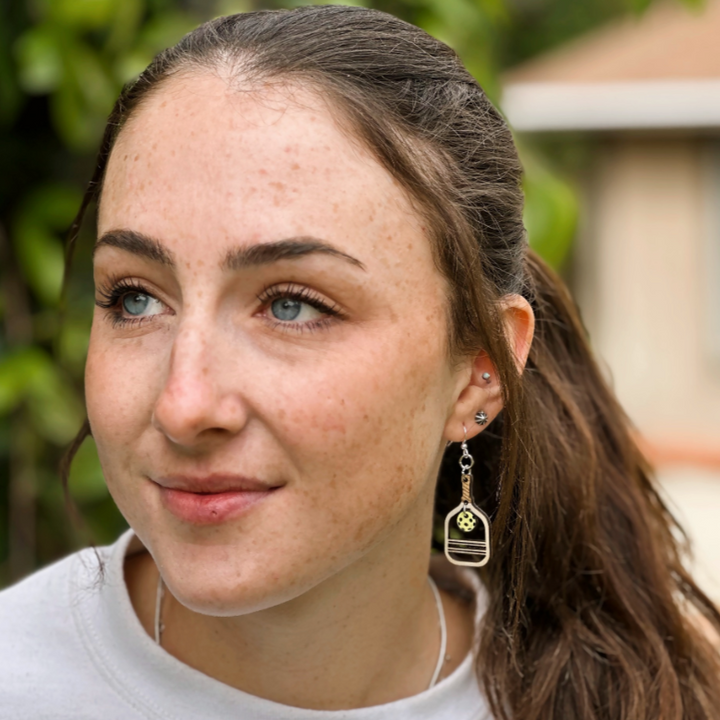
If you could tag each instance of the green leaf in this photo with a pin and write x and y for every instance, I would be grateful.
(30, 376)
(47, 211)
(640, 6)
(456, 14)
(129, 65)
(230, 7)
(124, 25)
(41, 258)
(73, 344)
(105, 521)
(95, 85)
(39, 59)
(54, 204)
(82, 14)
(77, 128)
(551, 213)
(19, 371)
(165, 30)
(13, 381)
(302, 3)
(55, 410)
(86, 482)
(497, 10)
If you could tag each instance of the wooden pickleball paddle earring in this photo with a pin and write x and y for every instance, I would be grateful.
(467, 527)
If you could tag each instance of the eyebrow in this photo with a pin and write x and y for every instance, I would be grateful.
(288, 249)
(137, 244)
(252, 256)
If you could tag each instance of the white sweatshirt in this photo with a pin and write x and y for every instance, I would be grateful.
(72, 648)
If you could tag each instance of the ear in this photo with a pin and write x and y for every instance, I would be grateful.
(482, 393)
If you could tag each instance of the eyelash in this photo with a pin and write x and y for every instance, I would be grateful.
(300, 294)
(112, 294)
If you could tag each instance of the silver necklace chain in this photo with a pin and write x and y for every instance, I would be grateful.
(159, 627)
(443, 633)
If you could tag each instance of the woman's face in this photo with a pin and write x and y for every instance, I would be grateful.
(274, 334)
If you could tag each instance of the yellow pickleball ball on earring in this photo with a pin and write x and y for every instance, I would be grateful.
(466, 521)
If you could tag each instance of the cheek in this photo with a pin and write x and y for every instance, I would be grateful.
(120, 378)
(365, 430)
(363, 447)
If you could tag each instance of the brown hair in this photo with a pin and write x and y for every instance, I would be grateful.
(590, 606)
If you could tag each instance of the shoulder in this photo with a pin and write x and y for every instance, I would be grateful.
(36, 617)
(45, 668)
(39, 603)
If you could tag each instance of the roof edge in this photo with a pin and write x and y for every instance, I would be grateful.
(630, 105)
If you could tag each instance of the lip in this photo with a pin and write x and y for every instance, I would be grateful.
(213, 499)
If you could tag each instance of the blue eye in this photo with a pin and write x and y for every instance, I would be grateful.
(135, 304)
(289, 309)
(141, 304)
(128, 302)
(297, 308)
(286, 309)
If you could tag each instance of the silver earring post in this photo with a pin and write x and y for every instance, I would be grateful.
(481, 417)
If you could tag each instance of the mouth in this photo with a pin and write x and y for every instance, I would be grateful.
(211, 500)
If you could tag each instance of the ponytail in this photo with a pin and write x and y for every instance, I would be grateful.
(591, 609)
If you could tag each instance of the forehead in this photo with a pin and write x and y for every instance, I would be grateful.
(200, 159)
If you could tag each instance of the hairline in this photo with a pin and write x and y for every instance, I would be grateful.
(245, 77)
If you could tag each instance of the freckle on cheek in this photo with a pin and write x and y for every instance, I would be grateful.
(362, 529)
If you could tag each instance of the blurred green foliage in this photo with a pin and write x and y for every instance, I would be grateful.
(62, 63)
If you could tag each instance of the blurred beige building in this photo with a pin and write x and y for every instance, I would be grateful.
(645, 93)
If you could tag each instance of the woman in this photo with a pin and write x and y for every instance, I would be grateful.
(312, 277)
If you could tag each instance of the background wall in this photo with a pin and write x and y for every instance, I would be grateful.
(62, 63)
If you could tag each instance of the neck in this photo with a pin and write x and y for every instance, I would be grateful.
(366, 636)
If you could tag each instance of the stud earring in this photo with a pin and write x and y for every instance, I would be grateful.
(467, 527)
(481, 417)
(486, 377)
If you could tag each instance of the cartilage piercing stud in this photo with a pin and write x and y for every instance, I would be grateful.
(486, 377)
(481, 417)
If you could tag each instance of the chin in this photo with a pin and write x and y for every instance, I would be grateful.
(245, 586)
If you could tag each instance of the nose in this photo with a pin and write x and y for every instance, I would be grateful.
(195, 403)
